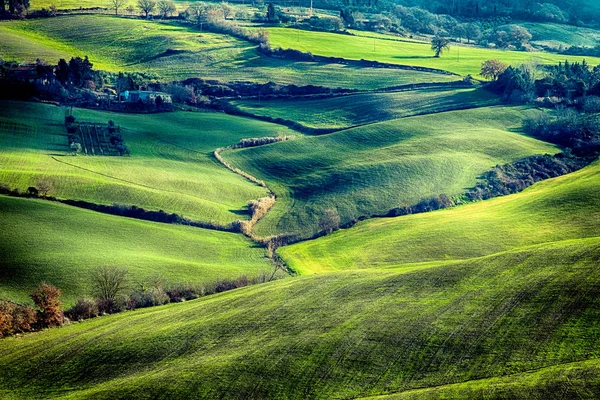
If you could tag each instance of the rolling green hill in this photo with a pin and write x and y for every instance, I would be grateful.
(347, 111)
(172, 51)
(45, 241)
(334, 336)
(557, 209)
(371, 169)
(171, 165)
(462, 60)
(557, 35)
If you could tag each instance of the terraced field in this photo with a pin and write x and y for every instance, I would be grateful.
(361, 109)
(566, 207)
(171, 166)
(462, 60)
(340, 335)
(371, 169)
(45, 241)
(177, 52)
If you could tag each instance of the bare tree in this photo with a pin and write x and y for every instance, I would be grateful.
(492, 69)
(116, 4)
(108, 283)
(44, 187)
(146, 6)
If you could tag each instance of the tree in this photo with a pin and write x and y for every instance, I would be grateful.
(130, 9)
(44, 187)
(108, 283)
(492, 69)
(271, 13)
(46, 298)
(166, 7)
(228, 10)
(116, 4)
(439, 45)
(197, 11)
(472, 32)
(146, 6)
(62, 71)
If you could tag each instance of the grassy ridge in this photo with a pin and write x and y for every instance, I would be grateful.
(462, 60)
(177, 52)
(373, 168)
(44, 241)
(347, 111)
(343, 335)
(171, 165)
(557, 209)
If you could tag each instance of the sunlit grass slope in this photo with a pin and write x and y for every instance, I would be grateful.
(373, 168)
(459, 59)
(557, 35)
(331, 336)
(347, 111)
(171, 165)
(171, 51)
(45, 241)
(566, 207)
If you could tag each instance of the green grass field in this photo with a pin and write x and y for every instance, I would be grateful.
(566, 207)
(462, 60)
(171, 165)
(45, 241)
(135, 45)
(373, 168)
(557, 35)
(348, 111)
(335, 336)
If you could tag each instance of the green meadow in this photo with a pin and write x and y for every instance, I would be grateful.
(45, 241)
(365, 108)
(171, 51)
(370, 169)
(460, 59)
(171, 166)
(567, 207)
(556, 35)
(342, 335)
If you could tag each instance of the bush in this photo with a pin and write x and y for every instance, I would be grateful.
(15, 318)
(46, 298)
(83, 309)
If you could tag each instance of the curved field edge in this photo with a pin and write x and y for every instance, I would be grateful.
(556, 209)
(59, 244)
(337, 335)
(371, 169)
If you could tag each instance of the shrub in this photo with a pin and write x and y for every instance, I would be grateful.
(15, 318)
(83, 309)
(46, 298)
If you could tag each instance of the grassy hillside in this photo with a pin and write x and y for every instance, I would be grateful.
(460, 59)
(45, 241)
(171, 165)
(343, 335)
(373, 168)
(557, 209)
(176, 52)
(347, 111)
(557, 35)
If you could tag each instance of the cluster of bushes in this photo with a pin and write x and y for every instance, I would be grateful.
(258, 209)
(15, 318)
(253, 142)
(514, 177)
(568, 128)
(431, 203)
(113, 293)
(566, 81)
